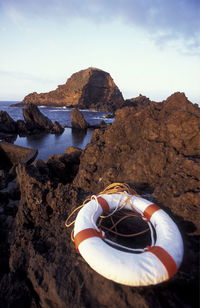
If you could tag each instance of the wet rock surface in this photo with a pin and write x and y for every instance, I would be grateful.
(156, 150)
(89, 88)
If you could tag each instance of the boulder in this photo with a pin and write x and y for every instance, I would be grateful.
(11, 154)
(7, 124)
(77, 120)
(89, 88)
(21, 128)
(57, 128)
(64, 167)
(35, 119)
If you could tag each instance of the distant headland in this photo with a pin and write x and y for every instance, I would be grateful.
(91, 88)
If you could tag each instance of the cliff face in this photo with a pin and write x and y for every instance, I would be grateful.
(90, 88)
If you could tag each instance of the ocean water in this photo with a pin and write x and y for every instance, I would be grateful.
(49, 144)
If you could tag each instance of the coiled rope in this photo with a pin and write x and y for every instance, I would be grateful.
(115, 188)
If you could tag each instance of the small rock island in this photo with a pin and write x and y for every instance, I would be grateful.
(91, 88)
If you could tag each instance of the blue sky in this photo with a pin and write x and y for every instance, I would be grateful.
(150, 47)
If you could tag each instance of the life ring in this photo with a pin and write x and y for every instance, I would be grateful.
(152, 265)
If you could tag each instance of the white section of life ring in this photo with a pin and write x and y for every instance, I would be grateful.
(132, 269)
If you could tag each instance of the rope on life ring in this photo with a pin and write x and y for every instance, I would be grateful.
(134, 267)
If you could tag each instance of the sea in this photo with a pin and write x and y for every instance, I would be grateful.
(49, 144)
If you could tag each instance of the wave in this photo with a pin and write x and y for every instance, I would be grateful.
(97, 118)
(63, 110)
(88, 110)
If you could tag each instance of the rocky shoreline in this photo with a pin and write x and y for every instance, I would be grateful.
(35, 123)
(154, 147)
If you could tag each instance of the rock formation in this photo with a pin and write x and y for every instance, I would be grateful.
(7, 124)
(15, 154)
(57, 128)
(145, 143)
(77, 120)
(22, 128)
(10, 156)
(34, 122)
(155, 150)
(91, 88)
(35, 119)
(138, 102)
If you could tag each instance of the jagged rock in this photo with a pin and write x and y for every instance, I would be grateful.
(47, 271)
(60, 168)
(11, 154)
(144, 144)
(3, 179)
(5, 163)
(57, 128)
(15, 292)
(77, 120)
(35, 119)
(156, 150)
(63, 167)
(138, 102)
(7, 124)
(21, 128)
(8, 137)
(42, 168)
(89, 88)
(109, 116)
(141, 148)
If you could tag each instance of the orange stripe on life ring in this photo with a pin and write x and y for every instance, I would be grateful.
(165, 258)
(104, 204)
(150, 210)
(85, 234)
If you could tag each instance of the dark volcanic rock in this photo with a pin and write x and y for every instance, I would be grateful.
(77, 120)
(138, 102)
(21, 128)
(57, 128)
(35, 122)
(154, 149)
(11, 154)
(44, 250)
(145, 145)
(89, 88)
(7, 124)
(3, 179)
(63, 167)
(35, 119)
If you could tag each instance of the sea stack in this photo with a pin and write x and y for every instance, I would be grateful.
(91, 88)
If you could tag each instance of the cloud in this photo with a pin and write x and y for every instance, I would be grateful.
(163, 20)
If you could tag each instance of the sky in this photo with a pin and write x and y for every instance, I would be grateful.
(149, 47)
